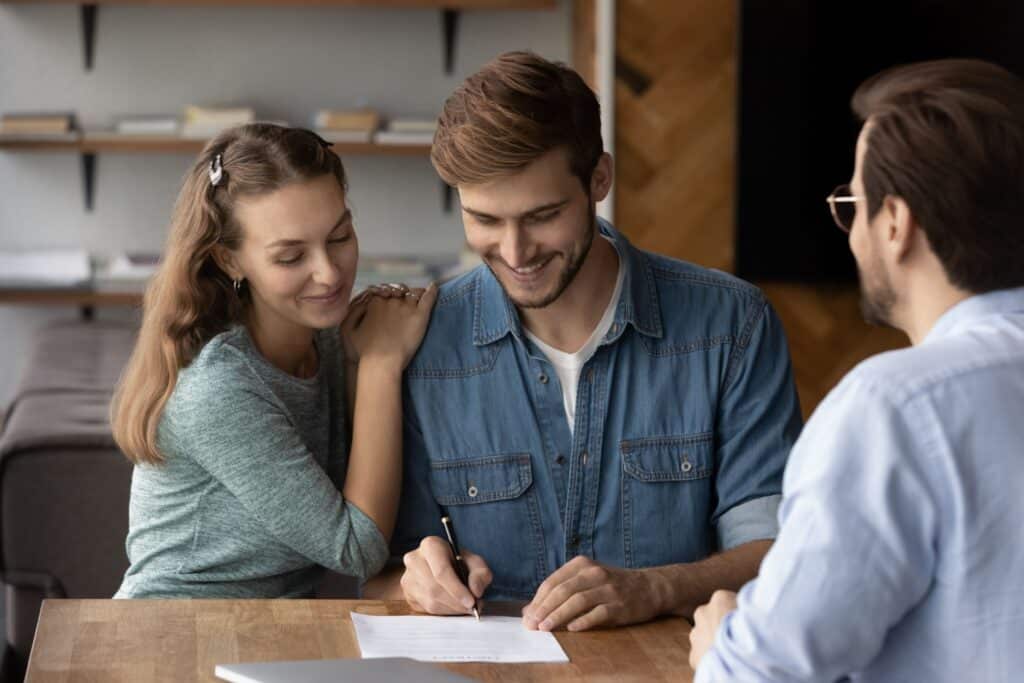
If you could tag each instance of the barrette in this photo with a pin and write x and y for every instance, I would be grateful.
(216, 170)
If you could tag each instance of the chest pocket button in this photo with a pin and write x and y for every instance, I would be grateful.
(472, 492)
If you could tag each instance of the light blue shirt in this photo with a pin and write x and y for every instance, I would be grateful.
(900, 555)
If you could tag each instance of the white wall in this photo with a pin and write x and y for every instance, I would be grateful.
(287, 62)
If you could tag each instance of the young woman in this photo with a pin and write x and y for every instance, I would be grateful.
(233, 405)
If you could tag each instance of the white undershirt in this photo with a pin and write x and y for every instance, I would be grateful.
(568, 366)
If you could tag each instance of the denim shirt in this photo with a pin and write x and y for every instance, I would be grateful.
(685, 416)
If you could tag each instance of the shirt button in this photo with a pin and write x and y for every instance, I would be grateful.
(615, 328)
(583, 457)
(686, 466)
(543, 378)
(472, 492)
(560, 459)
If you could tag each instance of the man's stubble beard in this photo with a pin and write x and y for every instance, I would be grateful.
(877, 300)
(567, 275)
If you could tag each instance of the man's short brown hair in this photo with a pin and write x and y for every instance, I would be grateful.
(510, 113)
(947, 136)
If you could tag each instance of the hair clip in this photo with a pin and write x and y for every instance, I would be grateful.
(216, 170)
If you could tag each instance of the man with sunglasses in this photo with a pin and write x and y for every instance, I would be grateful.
(900, 554)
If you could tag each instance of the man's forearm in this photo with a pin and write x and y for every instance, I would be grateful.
(681, 588)
(386, 585)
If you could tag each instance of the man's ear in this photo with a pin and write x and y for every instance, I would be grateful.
(226, 261)
(902, 229)
(602, 177)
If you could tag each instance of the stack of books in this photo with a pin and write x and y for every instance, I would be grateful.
(354, 125)
(44, 125)
(206, 122)
(148, 126)
(408, 132)
(127, 272)
(375, 270)
(415, 271)
(44, 269)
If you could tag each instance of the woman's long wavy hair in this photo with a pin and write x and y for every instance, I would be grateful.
(190, 299)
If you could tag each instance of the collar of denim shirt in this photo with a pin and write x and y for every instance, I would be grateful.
(495, 316)
(970, 310)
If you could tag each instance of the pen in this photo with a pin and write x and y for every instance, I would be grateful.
(460, 564)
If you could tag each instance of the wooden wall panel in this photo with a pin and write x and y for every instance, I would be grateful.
(675, 117)
(675, 98)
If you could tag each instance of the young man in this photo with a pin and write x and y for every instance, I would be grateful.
(606, 428)
(900, 554)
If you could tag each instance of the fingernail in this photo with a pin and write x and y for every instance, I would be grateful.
(546, 625)
(467, 603)
(530, 623)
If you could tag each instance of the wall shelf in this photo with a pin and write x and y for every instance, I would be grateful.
(85, 299)
(450, 10)
(88, 145)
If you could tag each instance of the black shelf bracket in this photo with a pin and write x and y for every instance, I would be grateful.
(89, 33)
(88, 178)
(446, 197)
(450, 19)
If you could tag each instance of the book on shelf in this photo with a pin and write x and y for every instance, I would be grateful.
(148, 125)
(407, 132)
(347, 119)
(413, 125)
(127, 272)
(44, 269)
(37, 123)
(413, 271)
(391, 137)
(343, 136)
(206, 122)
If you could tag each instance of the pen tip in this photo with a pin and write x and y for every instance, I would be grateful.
(476, 613)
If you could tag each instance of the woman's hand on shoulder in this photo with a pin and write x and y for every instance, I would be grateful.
(386, 323)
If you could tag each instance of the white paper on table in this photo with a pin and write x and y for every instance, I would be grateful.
(455, 639)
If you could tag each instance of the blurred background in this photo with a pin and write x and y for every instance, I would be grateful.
(729, 123)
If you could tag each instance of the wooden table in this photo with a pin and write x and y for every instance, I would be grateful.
(182, 640)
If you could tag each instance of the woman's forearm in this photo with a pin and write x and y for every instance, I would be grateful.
(374, 473)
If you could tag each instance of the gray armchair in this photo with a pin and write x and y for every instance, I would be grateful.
(63, 483)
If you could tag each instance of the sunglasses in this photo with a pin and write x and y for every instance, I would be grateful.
(843, 204)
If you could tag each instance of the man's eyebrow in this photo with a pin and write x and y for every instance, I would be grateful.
(347, 216)
(535, 210)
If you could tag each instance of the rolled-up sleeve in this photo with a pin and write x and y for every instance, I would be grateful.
(755, 520)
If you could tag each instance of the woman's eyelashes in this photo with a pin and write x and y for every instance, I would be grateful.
(292, 260)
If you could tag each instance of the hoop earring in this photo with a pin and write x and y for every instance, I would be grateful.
(238, 286)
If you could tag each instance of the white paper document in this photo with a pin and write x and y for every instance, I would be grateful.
(455, 639)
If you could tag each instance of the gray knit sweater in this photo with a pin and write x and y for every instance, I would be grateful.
(248, 502)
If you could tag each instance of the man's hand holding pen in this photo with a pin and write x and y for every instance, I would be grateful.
(431, 584)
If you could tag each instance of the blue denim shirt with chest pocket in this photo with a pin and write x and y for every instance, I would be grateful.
(685, 416)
